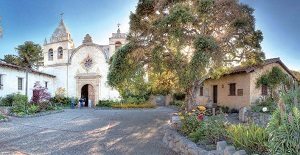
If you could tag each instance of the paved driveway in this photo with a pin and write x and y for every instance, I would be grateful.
(87, 131)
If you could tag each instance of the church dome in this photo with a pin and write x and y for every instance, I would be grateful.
(61, 33)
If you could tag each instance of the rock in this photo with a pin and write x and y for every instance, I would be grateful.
(221, 145)
(242, 114)
(229, 150)
(202, 152)
(215, 152)
(240, 152)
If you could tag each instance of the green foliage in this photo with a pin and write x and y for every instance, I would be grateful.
(291, 98)
(19, 103)
(183, 38)
(269, 103)
(132, 105)
(106, 103)
(12, 59)
(272, 79)
(250, 137)
(7, 101)
(65, 101)
(177, 103)
(135, 100)
(190, 124)
(32, 109)
(119, 70)
(284, 132)
(30, 54)
(210, 130)
(2, 117)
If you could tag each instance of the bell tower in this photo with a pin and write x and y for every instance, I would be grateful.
(56, 50)
(116, 41)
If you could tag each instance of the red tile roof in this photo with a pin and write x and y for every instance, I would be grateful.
(249, 69)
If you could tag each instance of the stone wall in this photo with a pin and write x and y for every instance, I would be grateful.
(182, 145)
(248, 116)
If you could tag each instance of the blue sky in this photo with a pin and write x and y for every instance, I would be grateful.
(36, 19)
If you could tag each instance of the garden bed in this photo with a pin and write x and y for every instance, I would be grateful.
(183, 145)
(38, 114)
(3, 118)
(126, 106)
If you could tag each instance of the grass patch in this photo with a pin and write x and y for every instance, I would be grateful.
(131, 105)
(2, 117)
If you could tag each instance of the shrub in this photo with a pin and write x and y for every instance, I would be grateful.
(260, 104)
(250, 137)
(179, 96)
(45, 105)
(215, 129)
(284, 132)
(61, 100)
(2, 117)
(105, 103)
(40, 94)
(7, 101)
(32, 109)
(190, 124)
(130, 105)
(19, 103)
(132, 99)
(177, 103)
(211, 130)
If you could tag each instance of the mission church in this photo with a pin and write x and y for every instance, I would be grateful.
(81, 71)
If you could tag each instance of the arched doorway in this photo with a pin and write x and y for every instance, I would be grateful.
(88, 93)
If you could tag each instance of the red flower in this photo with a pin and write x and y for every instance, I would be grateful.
(200, 117)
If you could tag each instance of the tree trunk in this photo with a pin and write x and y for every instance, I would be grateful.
(191, 96)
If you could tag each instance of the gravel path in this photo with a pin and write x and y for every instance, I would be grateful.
(87, 131)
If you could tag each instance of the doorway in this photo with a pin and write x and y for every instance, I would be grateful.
(87, 93)
(215, 94)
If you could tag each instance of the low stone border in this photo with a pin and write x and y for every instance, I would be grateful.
(38, 114)
(182, 145)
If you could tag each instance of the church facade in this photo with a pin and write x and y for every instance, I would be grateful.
(82, 70)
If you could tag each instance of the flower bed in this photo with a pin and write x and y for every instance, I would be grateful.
(183, 145)
(38, 114)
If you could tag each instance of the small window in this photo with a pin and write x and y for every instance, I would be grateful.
(201, 91)
(20, 83)
(46, 84)
(60, 53)
(232, 89)
(50, 54)
(1, 82)
(264, 90)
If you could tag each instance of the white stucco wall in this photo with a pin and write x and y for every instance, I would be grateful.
(10, 82)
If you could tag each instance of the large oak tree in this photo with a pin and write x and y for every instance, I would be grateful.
(193, 39)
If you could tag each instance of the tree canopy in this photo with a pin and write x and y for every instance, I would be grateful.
(29, 55)
(189, 38)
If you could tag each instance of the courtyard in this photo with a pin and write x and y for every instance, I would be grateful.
(87, 131)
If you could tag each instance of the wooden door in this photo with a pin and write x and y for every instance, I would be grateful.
(91, 94)
(215, 93)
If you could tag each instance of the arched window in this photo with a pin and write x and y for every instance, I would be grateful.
(50, 54)
(118, 45)
(60, 53)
